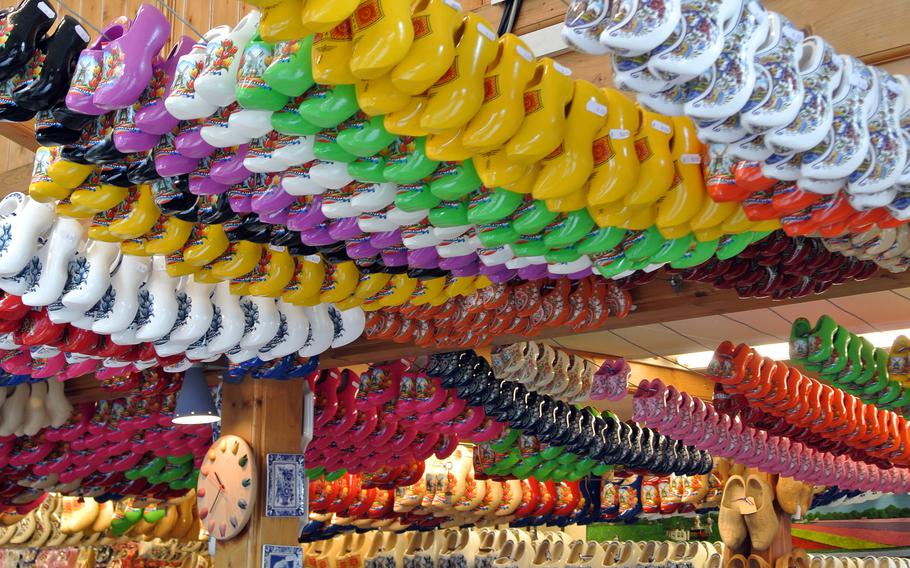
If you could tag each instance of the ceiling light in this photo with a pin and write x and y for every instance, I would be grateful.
(194, 401)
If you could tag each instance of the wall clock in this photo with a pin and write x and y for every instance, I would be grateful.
(227, 487)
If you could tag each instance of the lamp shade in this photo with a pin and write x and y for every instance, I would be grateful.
(194, 401)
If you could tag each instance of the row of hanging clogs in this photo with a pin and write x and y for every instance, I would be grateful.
(848, 362)
(548, 438)
(28, 408)
(505, 548)
(561, 375)
(781, 267)
(699, 423)
(627, 497)
(752, 81)
(125, 446)
(830, 412)
(509, 308)
(241, 33)
(888, 248)
(800, 211)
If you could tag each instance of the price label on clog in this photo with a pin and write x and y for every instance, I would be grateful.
(746, 506)
(276, 248)
(80, 31)
(619, 133)
(562, 69)
(454, 4)
(661, 126)
(690, 158)
(595, 107)
(524, 53)
(486, 32)
(47, 10)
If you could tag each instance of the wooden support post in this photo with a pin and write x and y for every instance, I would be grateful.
(269, 415)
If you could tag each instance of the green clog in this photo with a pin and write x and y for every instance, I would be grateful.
(329, 105)
(454, 180)
(642, 245)
(532, 217)
(326, 147)
(365, 137)
(731, 245)
(494, 235)
(414, 197)
(698, 254)
(368, 169)
(673, 250)
(291, 69)
(568, 229)
(407, 161)
(600, 240)
(252, 91)
(491, 205)
(529, 245)
(288, 121)
(449, 214)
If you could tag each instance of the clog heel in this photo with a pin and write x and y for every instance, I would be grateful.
(566, 169)
(687, 191)
(653, 145)
(502, 112)
(382, 36)
(42, 187)
(616, 165)
(433, 49)
(457, 96)
(282, 22)
(323, 15)
(127, 61)
(546, 97)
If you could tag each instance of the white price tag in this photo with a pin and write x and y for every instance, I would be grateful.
(562, 69)
(524, 53)
(661, 126)
(486, 32)
(48, 11)
(619, 133)
(454, 4)
(596, 108)
(690, 158)
(80, 31)
(277, 248)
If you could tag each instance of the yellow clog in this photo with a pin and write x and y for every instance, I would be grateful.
(566, 203)
(41, 187)
(68, 174)
(400, 288)
(687, 191)
(546, 97)
(168, 235)
(305, 287)
(331, 55)
(380, 97)
(371, 284)
(340, 282)
(446, 146)
(325, 15)
(428, 290)
(616, 165)
(433, 49)
(496, 170)
(240, 258)
(458, 285)
(211, 241)
(503, 109)
(457, 96)
(567, 168)
(406, 122)
(277, 271)
(139, 213)
(383, 34)
(653, 147)
(712, 214)
(282, 22)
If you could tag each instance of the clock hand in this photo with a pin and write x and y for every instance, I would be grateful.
(220, 483)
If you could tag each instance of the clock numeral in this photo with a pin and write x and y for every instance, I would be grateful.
(201, 492)
(247, 482)
(242, 504)
(223, 529)
(203, 512)
(233, 521)
(244, 459)
(235, 447)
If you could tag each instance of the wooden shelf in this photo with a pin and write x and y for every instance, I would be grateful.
(655, 302)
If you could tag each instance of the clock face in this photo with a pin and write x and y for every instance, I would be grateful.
(227, 486)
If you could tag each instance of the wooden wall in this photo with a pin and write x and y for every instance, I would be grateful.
(873, 30)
